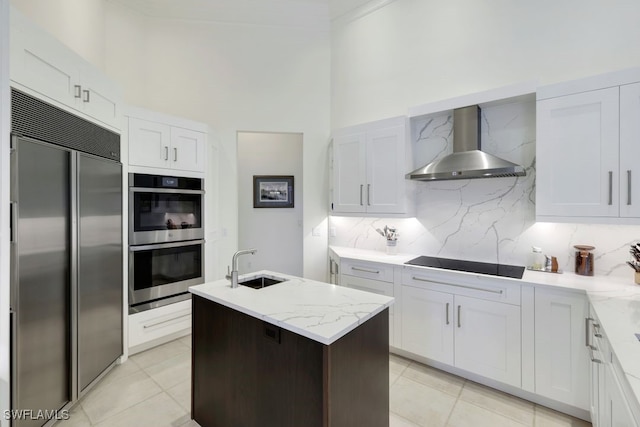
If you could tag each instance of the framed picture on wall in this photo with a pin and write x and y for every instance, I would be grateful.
(273, 191)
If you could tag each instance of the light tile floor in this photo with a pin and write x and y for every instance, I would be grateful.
(153, 389)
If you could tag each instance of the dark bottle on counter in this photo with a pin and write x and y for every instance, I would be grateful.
(584, 260)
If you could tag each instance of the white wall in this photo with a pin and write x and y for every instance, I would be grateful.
(412, 52)
(276, 233)
(4, 210)
(77, 23)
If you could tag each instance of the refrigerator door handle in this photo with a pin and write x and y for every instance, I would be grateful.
(13, 223)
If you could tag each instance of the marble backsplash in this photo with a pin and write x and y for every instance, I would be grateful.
(489, 220)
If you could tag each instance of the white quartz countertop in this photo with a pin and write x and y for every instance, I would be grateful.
(615, 300)
(316, 310)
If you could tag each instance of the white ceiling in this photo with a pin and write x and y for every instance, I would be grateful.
(274, 12)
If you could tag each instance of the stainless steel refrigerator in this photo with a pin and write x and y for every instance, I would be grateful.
(66, 258)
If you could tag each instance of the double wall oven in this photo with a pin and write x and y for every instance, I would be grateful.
(166, 239)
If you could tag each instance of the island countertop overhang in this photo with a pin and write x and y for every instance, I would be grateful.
(316, 310)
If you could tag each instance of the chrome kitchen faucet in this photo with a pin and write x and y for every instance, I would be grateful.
(233, 274)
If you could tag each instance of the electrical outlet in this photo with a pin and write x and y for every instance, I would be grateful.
(315, 232)
(332, 232)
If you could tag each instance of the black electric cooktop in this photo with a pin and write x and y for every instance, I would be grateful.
(503, 270)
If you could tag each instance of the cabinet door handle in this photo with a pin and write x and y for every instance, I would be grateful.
(493, 291)
(610, 188)
(447, 310)
(175, 154)
(629, 187)
(166, 152)
(366, 270)
(361, 186)
(87, 96)
(77, 91)
(459, 322)
(587, 333)
(368, 194)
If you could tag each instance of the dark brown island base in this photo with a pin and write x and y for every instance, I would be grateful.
(250, 373)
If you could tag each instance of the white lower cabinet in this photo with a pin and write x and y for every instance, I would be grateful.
(609, 404)
(358, 275)
(478, 335)
(162, 324)
(617, 411)
(427, 323)
(561, 358)
(487, 339)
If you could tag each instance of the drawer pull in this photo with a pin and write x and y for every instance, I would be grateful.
(493, 291)
(165, 321)
(459, 321)
(365, 270)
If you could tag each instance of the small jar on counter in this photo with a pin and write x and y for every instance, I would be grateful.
(584, 260)
(537, 259)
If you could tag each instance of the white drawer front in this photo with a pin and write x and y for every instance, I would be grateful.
(367, 285)
(367, 270)
(159, 322)
(469, 285)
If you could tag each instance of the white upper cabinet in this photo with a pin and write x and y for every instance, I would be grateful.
(577, 155)
(149, 143)
(44, 67)
(163, 142)
(588, 140)
(187, 149)
(349, 172)
(369, 166)
(630, 150)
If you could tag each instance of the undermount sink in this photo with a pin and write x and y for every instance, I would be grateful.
(261, 282)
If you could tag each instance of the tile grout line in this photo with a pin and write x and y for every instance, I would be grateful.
(453, 408)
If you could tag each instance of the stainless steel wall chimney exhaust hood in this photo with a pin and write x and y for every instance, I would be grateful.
(466, 161)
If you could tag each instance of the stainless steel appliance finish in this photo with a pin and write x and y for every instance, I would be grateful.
(100, 258)
(165, 209)
(467, 160)
(66, 257)
(161, 274)
(40, 291)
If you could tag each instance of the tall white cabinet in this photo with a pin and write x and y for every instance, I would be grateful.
(369, 164)
(587, 146)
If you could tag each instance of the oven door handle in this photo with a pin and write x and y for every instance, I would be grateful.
(164, 190)
(165, 245)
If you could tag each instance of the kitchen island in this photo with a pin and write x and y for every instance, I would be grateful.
(300, 352)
